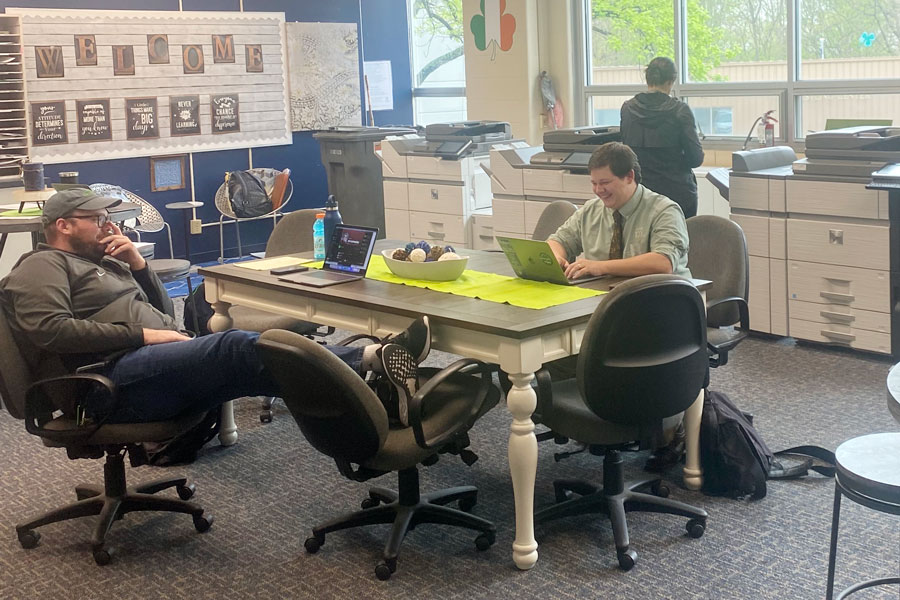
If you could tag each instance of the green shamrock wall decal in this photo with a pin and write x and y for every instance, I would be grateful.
(492, 27)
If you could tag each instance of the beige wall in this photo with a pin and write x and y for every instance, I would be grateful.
(503, 85)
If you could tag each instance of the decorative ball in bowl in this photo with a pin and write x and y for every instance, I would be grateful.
(422, 261)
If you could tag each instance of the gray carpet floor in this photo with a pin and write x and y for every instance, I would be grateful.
(271, 487)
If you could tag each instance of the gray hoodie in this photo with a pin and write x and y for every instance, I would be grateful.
(66, 311)
(662, 132)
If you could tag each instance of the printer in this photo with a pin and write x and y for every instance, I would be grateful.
(852, 152)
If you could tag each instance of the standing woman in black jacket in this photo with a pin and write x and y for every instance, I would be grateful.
(662, 132)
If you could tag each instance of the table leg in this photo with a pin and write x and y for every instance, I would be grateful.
(693, 473)
(221, 321)
(521, 402)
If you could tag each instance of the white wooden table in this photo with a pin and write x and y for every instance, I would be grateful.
(520, 340)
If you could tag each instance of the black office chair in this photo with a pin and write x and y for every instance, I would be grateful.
(643, 362)
(341, 416)
(718, 252)
(49, 410)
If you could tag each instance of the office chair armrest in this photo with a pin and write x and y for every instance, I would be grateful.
(468, 366)
(743, 309)
(65, 394)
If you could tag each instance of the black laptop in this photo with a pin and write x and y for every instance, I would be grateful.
(347, 258)
(533, 259)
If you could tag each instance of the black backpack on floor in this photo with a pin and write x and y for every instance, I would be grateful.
(247, 194)
(736, 461)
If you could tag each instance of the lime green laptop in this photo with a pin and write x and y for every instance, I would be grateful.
(533, 259)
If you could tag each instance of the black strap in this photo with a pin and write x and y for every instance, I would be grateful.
(812, 452)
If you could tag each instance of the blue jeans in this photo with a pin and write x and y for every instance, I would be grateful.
(164, 381)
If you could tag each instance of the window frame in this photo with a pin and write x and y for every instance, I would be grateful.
(789, 92)
(422, 91)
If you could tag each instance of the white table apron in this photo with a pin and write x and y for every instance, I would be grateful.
(520, 358)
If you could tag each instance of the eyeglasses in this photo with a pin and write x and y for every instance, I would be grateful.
(101, 220)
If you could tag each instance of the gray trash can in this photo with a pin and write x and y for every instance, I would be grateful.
(354, 171)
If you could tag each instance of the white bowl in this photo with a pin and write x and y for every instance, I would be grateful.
(438, 270)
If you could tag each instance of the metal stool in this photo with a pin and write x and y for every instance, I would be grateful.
(868, 472)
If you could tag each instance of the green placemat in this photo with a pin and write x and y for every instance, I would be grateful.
(34, 211)
(487, 286)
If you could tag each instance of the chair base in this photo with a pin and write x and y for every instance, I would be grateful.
(616, 498)
(111, 502)
(405, 511)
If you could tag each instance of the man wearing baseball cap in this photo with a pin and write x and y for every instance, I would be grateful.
(87, 296)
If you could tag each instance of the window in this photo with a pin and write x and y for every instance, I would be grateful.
(849, 39)
(813, 62)
(438, 64)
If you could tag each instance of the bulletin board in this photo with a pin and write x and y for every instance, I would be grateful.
(112, 84)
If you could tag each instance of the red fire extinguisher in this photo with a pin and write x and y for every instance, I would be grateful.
(767, 124)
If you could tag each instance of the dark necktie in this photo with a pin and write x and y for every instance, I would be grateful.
(616, 246)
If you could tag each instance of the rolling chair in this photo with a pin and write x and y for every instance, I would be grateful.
(341, 417)
(223, 205)
(718, 252)
(554, 215)
(643, 361)
(49, 408)
(151, 221)
(292, 234)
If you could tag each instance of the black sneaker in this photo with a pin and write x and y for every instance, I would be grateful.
(416, 338)
(669, 455)
(400, 369)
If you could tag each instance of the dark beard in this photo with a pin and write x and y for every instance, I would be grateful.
(89, 250)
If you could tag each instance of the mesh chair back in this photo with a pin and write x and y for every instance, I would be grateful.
(223, 205)
(149, 221)
(719, 253)
(15, 376)
(551, 218)
(643, 357)
(334, 408)
(293, 233)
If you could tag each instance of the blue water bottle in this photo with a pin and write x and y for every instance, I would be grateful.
(332, 217)
(319, 237)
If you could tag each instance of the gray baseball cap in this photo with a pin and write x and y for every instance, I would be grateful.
(62, 204)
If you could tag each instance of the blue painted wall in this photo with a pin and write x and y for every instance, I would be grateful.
(381, 22)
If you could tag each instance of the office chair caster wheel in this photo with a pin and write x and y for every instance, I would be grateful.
(312, 544)
(696, 527)
(627, 559)
(29, 539)
(266, 417)
(485, 541)
(369, 503)
(561, 493)
(202, 523)
(186, 492)
(102, 556)
(659, 489)
(467, 504)
(384, 570)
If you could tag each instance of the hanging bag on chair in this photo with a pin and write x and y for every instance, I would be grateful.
(247, 194)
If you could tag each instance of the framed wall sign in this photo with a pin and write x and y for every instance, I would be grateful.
(225, 113)
(141, 118)
(158, 49)
(85, 51)
(94, 124)
(123, 60)
(184, 115)
(166, 173)
(48, 123)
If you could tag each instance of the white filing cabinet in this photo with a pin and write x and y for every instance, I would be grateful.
(433, 199)
(758, 206)
(838, 237)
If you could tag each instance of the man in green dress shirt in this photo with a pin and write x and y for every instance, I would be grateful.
(627, 230)
(651, 238)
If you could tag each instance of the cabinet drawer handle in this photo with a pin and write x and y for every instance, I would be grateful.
(837, 297)
(485, 237)
(436, 235)
(836, 237)
(837, 335)
(836, 316)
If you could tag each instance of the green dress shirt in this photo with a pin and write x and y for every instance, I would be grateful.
(653, 223)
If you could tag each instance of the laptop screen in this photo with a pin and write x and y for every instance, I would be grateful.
(350, 249)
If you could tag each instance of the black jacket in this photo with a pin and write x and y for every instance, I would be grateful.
(661, 131)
